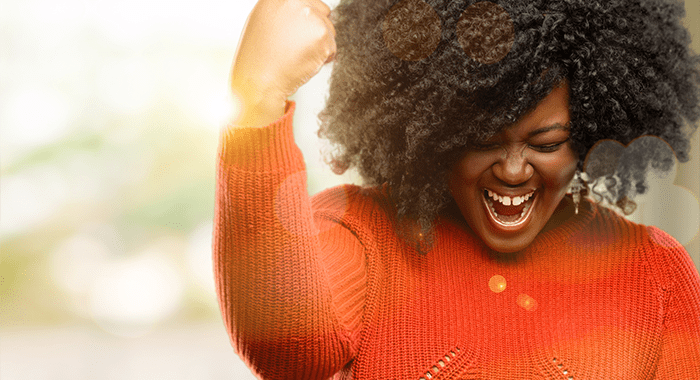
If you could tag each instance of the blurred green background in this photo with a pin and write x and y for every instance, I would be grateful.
(109, 122)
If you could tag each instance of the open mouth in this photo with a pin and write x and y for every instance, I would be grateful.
(509, 211)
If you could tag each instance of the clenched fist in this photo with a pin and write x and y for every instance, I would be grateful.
(284, 44)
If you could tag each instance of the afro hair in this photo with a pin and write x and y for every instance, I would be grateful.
(409, 93)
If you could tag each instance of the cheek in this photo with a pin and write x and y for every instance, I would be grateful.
(470, 168)
(458, 184)
(463, 181)
(559, 170)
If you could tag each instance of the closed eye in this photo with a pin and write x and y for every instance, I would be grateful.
(548, 148)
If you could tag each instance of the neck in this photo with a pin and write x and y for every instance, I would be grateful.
(564, 211)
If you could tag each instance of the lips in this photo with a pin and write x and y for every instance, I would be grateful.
(508, 211)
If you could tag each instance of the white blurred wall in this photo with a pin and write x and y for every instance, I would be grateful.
(109, 120)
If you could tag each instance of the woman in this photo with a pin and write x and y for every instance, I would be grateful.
(462, 257)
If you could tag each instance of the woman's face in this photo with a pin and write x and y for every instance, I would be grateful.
(508, 187)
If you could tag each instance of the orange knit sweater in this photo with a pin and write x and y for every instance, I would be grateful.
(313, 287)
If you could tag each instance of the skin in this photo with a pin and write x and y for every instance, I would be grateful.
(284, 43)
(534, 154)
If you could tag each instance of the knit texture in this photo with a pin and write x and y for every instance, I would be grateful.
(312, 288)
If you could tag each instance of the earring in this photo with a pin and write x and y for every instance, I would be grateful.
(578, 183)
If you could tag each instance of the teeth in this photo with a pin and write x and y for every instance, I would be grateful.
(507, 201)
(509, 221)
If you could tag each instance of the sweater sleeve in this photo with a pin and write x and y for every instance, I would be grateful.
(290, 309)
(680, 350)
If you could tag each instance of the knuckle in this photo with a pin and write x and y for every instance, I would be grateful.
(324, 8)
(320, 29)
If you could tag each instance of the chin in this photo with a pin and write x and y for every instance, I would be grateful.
(509, 246)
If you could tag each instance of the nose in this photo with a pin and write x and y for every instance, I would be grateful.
(513, 168)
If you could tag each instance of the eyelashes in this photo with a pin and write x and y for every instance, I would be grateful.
(412, 31)
(543, 148)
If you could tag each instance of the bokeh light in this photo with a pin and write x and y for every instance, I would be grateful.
(110, 114)
(663, 203)
(34, 116)
(130, 295)
(526, 302)
(199, 257)
(27, 198)
(75, 262)
(128, 85)
(497, 283)
(109, 124)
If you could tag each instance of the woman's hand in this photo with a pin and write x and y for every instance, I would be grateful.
(284, 44)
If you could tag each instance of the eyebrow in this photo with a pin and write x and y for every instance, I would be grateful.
(553, 127)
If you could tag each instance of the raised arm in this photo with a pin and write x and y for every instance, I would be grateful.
(290, 309)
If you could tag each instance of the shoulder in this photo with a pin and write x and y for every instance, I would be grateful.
(351, 199)
(665, 251)
(668, 258)
(608, 226)
(649, 238)
(662, 239)
(363, 210)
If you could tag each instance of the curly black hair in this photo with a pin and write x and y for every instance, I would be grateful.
(403, 115)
